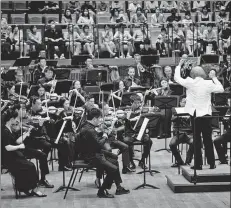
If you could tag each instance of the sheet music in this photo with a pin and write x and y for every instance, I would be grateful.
(142, 129)
(180, 110)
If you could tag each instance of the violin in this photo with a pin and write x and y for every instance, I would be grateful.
(15, 97)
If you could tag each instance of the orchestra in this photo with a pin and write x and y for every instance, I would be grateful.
(99, 127)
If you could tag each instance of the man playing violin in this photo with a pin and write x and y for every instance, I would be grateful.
(90, 147)
(115, 140)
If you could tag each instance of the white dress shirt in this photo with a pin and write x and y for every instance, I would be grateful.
(198, 93)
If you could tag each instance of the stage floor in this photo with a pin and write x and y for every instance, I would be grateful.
(143, 198)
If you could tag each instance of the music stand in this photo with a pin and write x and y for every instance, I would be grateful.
(176, 89)
(126, 98)
(9, 75)
(107, 87)
(23, 90)
(220, 99)
(96, 75)
(79, 60)
(98, 96)
(138, 89)
(62, 73)
(63, 86)
(150, 60)
(153, 122)
(165, 102)
(141, 133)
(52, 63)
(24, 61)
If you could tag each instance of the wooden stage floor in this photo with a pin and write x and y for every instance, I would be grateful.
(142, 198)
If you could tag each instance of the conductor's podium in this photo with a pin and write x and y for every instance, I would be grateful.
(215, 180)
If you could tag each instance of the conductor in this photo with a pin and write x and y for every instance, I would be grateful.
(198, 105)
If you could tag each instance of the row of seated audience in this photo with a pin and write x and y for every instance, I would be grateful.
(189, 38)
(131, 6)
(86, 16)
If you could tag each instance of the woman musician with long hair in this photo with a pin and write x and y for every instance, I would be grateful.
(78, 92)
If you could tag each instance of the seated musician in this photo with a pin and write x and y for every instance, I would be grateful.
(165, 120)
(183, 136)
(48, 76)
(142, 71)
(94, 155)
(222, 140)
(66, 142)
(116, 143)
(131, 81)
(39, 139)
(78, 92)
(117, 95)
(18, 79)
(130, 136)
(24, 171)
(39, 69)
(168, 73)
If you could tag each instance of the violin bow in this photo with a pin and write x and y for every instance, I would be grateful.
(113, 102)
(46, 105)
(20, 92)
(64, 124)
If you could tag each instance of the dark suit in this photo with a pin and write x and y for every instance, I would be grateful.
(90, 146)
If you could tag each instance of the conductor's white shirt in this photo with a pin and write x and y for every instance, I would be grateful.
(198, 93)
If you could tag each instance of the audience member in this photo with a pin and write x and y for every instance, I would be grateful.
(54, 37)
(152, 6)
(157, 19)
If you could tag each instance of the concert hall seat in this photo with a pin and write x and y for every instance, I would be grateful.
(103, 19)
(54, 17)
(6, 6)
(20, 6)
(35, 18)
(18, 18)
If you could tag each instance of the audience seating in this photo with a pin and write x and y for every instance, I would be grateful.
(54, 17)
(18, 18)
(35, 18)
(20, 6)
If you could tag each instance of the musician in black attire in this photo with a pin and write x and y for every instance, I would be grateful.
(130, 80)
(130, 134)
(90, 146)
(39, 140)
(221, 141)
(182, 133)
(79, 92)
(23, 171)
(39, 70)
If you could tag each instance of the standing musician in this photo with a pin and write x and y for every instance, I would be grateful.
(198, 105)
(24, 171)
(129, 133)
(79, 92)
(90, 146)
(131, 81)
